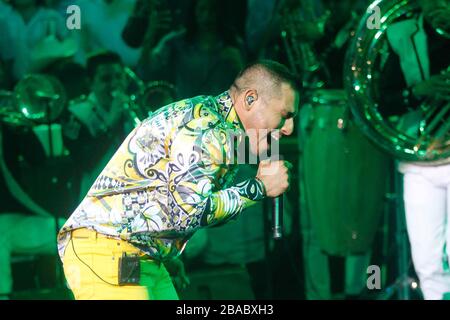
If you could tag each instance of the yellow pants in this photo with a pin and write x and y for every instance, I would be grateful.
(91, 267)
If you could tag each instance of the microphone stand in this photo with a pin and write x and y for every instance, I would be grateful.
(58, 271)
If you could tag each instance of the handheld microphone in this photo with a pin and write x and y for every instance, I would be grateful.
(277, 212)
(277, 202)
(277, 217)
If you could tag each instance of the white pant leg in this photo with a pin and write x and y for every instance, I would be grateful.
(425, 208)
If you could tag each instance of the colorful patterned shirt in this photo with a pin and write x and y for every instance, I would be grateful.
(172, 175)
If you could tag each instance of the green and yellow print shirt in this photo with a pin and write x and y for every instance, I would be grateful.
(171, 176)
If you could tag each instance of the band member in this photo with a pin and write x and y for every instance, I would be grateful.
(417, 70)
(171, 176)
(96, 124)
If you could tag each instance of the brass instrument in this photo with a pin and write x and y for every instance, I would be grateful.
(303, 61)
(143, 98)
(134, 89)
(127, 96)
(429, 143)
(156, 95)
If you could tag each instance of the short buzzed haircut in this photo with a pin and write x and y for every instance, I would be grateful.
(267, 73)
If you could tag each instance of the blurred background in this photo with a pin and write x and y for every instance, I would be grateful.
(69, 95)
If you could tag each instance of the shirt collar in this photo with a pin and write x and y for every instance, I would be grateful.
(227, 110)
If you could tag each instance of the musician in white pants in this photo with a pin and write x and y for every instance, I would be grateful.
(426, 193)
(417, 70)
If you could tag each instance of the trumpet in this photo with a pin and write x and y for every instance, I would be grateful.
(134, 89)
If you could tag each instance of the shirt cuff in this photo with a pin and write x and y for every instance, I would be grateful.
(252, 189)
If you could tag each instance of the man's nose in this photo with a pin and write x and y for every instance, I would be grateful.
(288, 127)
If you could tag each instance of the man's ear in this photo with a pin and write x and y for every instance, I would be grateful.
(251, 96)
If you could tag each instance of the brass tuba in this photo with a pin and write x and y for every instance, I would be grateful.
(429, 144)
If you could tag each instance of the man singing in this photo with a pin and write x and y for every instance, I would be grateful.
(171, 176)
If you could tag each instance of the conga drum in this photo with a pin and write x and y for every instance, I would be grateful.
(345, 176)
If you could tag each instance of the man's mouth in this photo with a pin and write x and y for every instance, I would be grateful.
(272, 137)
